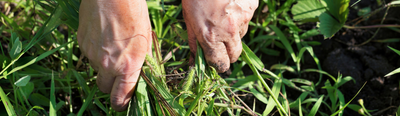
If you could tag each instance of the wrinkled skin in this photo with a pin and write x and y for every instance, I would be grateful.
(218, 25)
(115, 36)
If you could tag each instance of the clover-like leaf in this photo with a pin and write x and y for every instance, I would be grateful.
(339, 9)
(328, 25)
(23, 81)
(308, 10)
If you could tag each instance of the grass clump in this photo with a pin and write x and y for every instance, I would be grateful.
(43, 72)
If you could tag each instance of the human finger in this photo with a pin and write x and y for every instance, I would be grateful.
(234, 48)
(122, 90)
(216, 55)
(106, 80)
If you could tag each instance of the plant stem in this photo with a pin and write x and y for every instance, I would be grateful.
(368, 27)
(268, 89)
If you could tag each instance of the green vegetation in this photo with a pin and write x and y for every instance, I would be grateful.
(43, 73)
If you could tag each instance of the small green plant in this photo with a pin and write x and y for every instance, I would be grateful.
(396, 70)
(331, 14)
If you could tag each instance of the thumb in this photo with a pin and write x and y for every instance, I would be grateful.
(123, 89)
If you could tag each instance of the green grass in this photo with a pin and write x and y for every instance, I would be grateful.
(43, 73)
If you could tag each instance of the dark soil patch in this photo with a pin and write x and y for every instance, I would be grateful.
(348, 55)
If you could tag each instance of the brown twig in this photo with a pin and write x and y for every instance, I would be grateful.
(158, 95)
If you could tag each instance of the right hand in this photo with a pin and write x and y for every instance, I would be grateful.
(218, 26)
(115, 35)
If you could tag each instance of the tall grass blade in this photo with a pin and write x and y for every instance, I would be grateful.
(258, 95)
(246, 58)
(210, 108)
(7, 104)
(40, 57)
(284, 41)
(53, 111)
(316, 106)
(162, 94)
(88, 100)
(253, 58)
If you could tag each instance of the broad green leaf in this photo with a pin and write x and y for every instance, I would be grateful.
(16, 48)
(339, 9)
(307, 9)
(27, 90)
(23, 81)
(39, 99)
(329, 25)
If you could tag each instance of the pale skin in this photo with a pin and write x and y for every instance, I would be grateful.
(115, 35)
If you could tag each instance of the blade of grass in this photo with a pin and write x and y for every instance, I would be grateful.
(210, 108)
(53, 111)
(88, 100)
(7, 104)
(46, 29)
(40, 57)
(253, 68)
(341, 109)
(284, 41)
(160, 93)
(316, 106)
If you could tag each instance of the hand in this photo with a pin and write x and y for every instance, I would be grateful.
(115, 35)
(218, 25)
